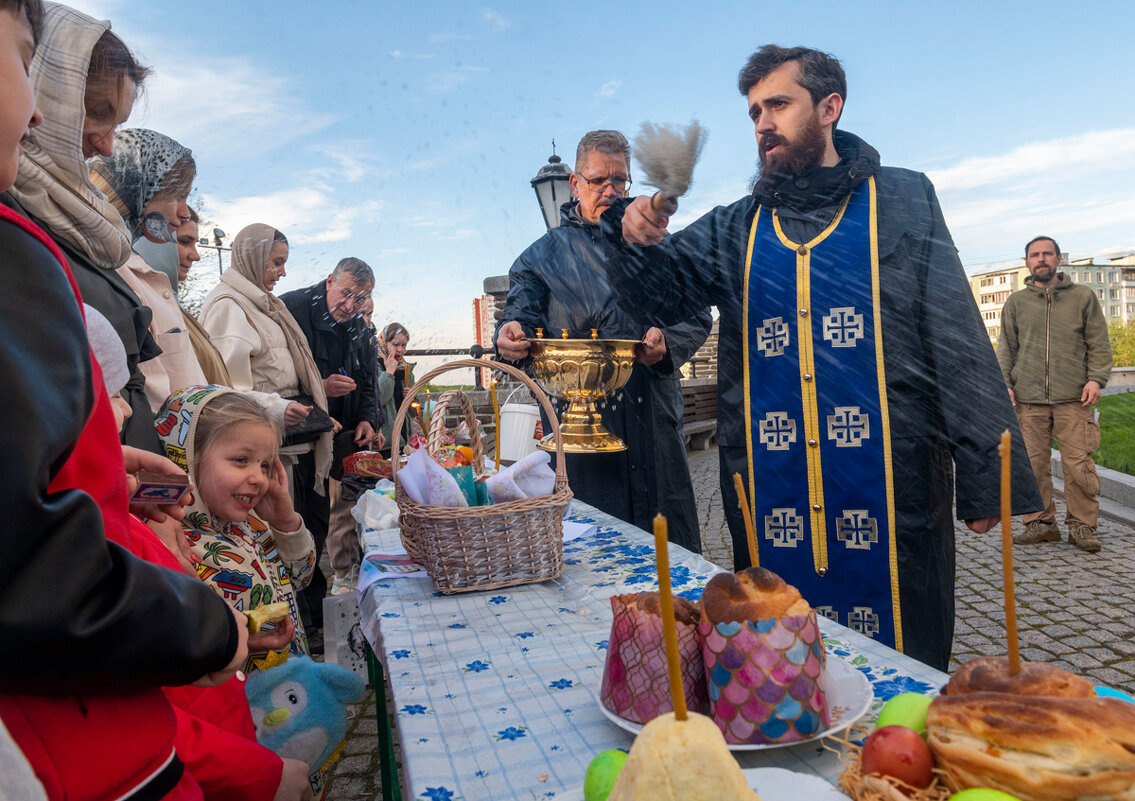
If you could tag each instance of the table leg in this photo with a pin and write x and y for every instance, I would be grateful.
(391, 786)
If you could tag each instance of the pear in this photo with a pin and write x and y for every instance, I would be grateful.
(681, 760)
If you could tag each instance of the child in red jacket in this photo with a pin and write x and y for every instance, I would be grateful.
(90, 632)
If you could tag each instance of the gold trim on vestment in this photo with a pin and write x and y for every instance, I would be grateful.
(807, 363)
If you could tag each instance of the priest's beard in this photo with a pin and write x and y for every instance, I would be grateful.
(796, 158)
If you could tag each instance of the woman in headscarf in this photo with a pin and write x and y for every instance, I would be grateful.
(261, 343)
(147, 179)
(86, 81)
(212, 364)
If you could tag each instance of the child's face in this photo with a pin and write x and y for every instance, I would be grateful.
(235, 473)
(121, 409)
(17, 100)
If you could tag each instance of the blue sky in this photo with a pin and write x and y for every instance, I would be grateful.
(406, 133)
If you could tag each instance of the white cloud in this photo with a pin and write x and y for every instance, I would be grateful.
(1082, 153)
(308, 215)
(458, 233)
(496, 20)
(1113, 252)
(352, 158)
(246, 111)
(989, 228)
(439, 38)
(608, 89)
(229, 107)
(450, 80)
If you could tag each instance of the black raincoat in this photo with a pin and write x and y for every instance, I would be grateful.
(560, 282)
(946, 397)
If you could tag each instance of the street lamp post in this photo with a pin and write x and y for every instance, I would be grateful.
(218, 239)
(552, 188)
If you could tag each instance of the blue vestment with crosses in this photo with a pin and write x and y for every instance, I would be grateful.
(816, 416)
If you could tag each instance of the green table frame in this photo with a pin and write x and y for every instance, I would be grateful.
(388, 768)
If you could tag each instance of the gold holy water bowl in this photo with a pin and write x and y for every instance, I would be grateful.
(582, 371)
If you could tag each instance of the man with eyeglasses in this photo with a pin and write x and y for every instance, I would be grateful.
(330, 315)
(855, 371)
(560, 282)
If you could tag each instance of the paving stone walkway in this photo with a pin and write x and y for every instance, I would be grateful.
(1074, 609)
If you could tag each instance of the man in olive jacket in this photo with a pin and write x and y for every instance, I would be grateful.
(1056, 358)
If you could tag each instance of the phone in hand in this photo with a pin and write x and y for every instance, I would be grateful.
(159, 488)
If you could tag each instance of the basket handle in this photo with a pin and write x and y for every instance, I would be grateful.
(476, 364)
(437, 426)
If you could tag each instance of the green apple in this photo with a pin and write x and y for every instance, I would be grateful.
(601, 775)
(982, 794)
(905, 709)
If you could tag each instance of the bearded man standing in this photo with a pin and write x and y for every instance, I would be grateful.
(560, 282)
(1056, 358)
(855, 371)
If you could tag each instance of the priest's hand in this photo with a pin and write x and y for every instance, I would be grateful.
(652, 348)
(642, 225)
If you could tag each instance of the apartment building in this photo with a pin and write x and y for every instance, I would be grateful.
(1113, 281)
(992, 289)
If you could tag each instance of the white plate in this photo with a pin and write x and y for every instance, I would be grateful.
(772, 784)
(849, 697)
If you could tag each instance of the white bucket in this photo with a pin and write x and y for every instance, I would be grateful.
(518, 429)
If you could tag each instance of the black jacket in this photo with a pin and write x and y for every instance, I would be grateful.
(77, 613)
(338, 347)
(946, 397)
(560, 281)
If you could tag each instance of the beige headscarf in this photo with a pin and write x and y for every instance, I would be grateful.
(53, 184)
(249, 258)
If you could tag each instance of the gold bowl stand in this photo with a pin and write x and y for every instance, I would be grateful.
(581, 372)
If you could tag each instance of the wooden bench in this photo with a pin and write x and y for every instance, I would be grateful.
(699, 412)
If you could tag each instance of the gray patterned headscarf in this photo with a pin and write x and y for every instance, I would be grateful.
(140, 165)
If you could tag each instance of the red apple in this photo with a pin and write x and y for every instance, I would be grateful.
(901, 753)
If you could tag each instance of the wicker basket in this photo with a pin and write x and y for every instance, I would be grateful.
(483, 547)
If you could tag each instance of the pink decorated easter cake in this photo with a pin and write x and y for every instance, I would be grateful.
(635, 684)
(764, 659)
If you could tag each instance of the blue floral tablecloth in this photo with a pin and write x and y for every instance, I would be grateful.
(496, 693)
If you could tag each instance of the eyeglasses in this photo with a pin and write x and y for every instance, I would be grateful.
(616, 182)
(354, 294)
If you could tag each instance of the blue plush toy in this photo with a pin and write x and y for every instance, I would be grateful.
(299, 707)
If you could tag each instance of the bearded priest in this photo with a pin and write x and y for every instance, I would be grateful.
(858, 388)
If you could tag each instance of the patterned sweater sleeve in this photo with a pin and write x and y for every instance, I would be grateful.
(297, 553)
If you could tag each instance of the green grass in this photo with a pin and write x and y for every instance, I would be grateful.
(437, 389)
(1117, 433)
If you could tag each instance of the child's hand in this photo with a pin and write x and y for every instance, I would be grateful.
(172, 535)
(294, 782)
(277, 639)
(137, 459)
(276, 507)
